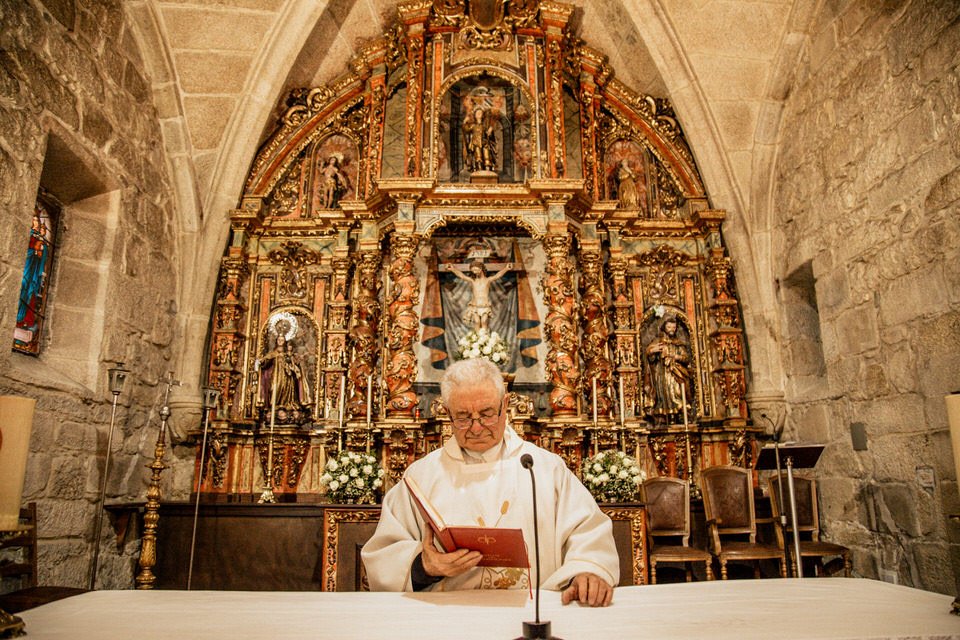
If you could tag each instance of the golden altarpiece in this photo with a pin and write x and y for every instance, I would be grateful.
(479, 167)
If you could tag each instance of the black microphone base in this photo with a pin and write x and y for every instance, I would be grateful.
(537, 631)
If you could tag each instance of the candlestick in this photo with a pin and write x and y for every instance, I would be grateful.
(594, 383)
(369, 399)
(623, 410)
(267, 496)
(341, 404)
(686, 431)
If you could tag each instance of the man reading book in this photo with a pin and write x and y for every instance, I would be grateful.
(476, 479)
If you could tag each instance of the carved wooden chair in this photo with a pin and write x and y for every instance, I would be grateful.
(345, 531)
(29, 595)
(629, 523)
(668, 519)
(728, 504)
(808, 521)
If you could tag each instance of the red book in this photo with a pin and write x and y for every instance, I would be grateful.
(500, 547)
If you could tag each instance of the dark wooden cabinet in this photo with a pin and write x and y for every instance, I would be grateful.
(307, 547)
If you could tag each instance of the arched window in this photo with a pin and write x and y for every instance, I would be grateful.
(35, 283)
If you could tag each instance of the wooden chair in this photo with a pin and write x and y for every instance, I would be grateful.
(29, 595)
(668, 518)
(345, 531)
(728, 504)
(629, 523)
(808, 521)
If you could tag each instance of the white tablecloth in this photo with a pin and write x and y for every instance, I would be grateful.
(811, 608)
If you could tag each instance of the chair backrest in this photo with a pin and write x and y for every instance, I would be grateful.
(808, 517)
(345, 531)
(728, 499)
(668, 507)
(25, 539)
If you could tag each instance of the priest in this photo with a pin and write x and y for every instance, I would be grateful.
(476, 479)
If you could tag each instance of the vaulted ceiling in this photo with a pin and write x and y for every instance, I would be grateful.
(221, 69)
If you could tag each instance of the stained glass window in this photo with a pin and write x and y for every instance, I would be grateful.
(36, 277)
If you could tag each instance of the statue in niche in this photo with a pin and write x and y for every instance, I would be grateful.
(334, 183)
(627, 186)
(480, 140)
(669, 376)
(283, 376)
(479, 310)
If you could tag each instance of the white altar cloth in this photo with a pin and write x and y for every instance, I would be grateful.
(813, 608)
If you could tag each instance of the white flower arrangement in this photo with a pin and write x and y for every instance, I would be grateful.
(483, 344)
(352, 477)
(612, 476)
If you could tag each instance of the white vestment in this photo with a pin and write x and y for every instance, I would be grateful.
(575, 536)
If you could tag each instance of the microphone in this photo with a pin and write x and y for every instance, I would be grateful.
(536, 629)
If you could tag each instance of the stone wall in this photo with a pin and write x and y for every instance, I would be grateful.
(76, 116)
(868, 194)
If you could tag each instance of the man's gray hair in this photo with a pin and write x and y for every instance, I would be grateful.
(471, 372)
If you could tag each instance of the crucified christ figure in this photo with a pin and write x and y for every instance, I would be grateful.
(479, 309)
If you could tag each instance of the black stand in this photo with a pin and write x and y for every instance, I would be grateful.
(799, 456)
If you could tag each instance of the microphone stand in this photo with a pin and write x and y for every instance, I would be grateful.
(535, 630)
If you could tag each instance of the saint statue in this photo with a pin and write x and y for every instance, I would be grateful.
(283, 367)
(479, 310)
(480, 141)
(334, 183)
(669, 375)
(627, 186)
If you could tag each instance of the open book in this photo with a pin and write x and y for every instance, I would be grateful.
(500, 547)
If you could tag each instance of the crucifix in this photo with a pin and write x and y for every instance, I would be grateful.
(479, 310)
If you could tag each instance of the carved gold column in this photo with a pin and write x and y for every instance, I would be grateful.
(593, 71)
(227, 340)
(563, 371)
(624, 350)
(363, 331)
(414, 15)
(377, 100)
(402, 326)
(555, 16)
(593, 347)
(726, 339)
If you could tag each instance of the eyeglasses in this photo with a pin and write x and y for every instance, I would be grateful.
(486, 418)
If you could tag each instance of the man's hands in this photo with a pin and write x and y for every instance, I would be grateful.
(436, 563)
(589, 589)
(586, 588)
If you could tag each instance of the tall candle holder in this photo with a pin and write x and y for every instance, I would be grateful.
(151, 512)
(211, 397)
(267, 496)
(117, 377)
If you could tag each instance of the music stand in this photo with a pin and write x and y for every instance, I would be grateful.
(800, 456)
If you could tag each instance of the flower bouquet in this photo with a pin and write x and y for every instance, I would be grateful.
(352, 478)
(612, 476)
(483, 344)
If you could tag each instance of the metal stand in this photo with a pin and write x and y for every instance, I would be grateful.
(793, 516)
(118, 375)
(210, 399)
(796, 456)
(783, 514)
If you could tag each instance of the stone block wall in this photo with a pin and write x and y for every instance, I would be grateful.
(868, 194)
(76, 116)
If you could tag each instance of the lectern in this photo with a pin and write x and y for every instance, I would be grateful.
(795, 456)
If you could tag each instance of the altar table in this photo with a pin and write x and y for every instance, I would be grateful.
(829, 608)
